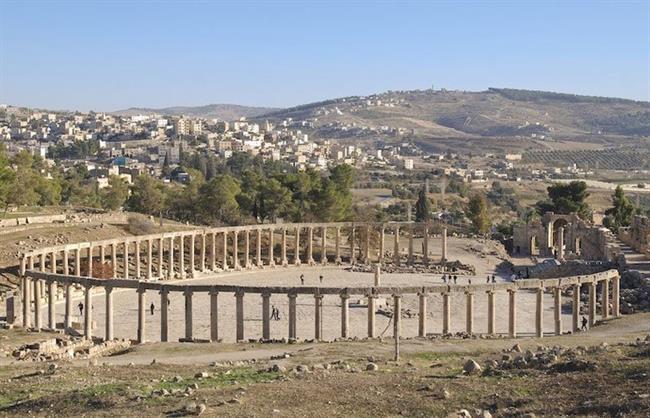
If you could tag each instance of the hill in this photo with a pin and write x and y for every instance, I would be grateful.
(491, 115)
(228, 112)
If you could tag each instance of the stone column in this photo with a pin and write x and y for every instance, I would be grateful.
(575, 319)
(397, 304)
(345, 315)
(271, 245)
(189, 325)
(592, 303)
(170, 267)
(353, 240)
(181, 256)
(126, 259)
(161, 254)
(239, 313)
(51, 305)
(422, 318)
(149, 258)
(323, 250)
(192, 249)
(247, 249)
(235, 251)
(142, 301)
(410, 255)
(114, 260)
(202, 261)
(224, 255)
(396, 259)
(444, 245)
(512, 317)
(337, 246)
(41, 263)
(377, 275)
(616, 284)
(214, 315)
(164, 311)
(88, 312)
(108, 334)
(213, 252)
(137, 259)
(539, 313)
(258, 249)
(102, 254)
(284, 247)
(491, 312)
(557, 310)
(366, 249)
(27, 303)
(604, 305)
(77, 262)
(469, 315)
(560, 244)
(549, 237)
(310, 246)
(90, 260)
(296, 247)
(318, 317)
(66, 263)
(425, 244)
(371, 316)
(67, 319)
(446, 313)
(37, 304)
(266, 316)
(53, 261)
(382, 236)
(292, 316)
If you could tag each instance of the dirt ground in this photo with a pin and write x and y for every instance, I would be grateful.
(427, 381)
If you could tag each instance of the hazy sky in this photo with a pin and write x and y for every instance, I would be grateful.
(116, 54)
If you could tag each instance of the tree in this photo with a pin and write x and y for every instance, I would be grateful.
(114, 196)
(166, 169)
(622, 211)
(477, 212)
(423, 207)
(566, 199)
(146, 195)
(276, 200)
(218, 201)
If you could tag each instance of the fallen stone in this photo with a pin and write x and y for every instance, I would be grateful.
(471, 367)
(372, 367)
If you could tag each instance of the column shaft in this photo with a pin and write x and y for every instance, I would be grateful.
(266, 316)
(108, 334)
(37, 304)
(141, 315)
(138, 266)
(396, 259)
(189, 325)
(239, 313)
(539, 313)
(235, 250)
(592, 304)
(446, 313)
(422, 318)
(323, 251)
(616, 310)
(371, 316)
(67, 321)
(318, 317)
(310, 246)
(149, 258)
(283, 247)
(296, 247)
(345, 316)
(337, 246)
(512, 317)
(88, 313)
(51, 311)
(575, 318)
(271, 249)
(469, 315)
(170, 267)
(164, 312)
(604, 306)
(202, 261)
(292, 317)
(557, 310)
(214, 316)
(491, 313)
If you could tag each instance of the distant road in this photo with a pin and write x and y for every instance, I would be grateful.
(631, 187)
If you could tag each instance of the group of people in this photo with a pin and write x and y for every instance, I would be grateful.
(275, 313)
(302, 279)
(448, 279)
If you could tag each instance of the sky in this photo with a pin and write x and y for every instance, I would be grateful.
(110, 55)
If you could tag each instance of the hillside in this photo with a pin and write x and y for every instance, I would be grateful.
(488, 115)
(228, 112)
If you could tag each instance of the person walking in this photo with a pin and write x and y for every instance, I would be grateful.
(81, 308)
(321, 279)
(302, 279)
(584, 323)
(455, 278)
(152, 307)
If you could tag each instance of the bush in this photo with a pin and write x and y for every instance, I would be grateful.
(139, 225)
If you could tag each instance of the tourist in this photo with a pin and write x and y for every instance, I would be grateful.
(152, 307)
(302, 279)
(494, 279)
(81, 308)
(584, 323)
(321, 279)
(455, 278)
(469, 281)
(488, 279)
(444, 278)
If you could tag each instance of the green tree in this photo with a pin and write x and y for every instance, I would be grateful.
(423, 207)
(7, 178)
(565, 199)
(621, 213)
(218, 202)
(114, 196)
(276, 200)
(477, 212)
(146, 195)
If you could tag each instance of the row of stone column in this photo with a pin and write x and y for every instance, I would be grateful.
(318, 306)
(151, 255)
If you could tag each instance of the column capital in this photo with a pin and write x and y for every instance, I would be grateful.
(266, 294)
(512, 290)
(396, 295)
(344, 295)
(213, 291)
(490, 292)
(188, 291)
(240, 293)
(318, 296)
